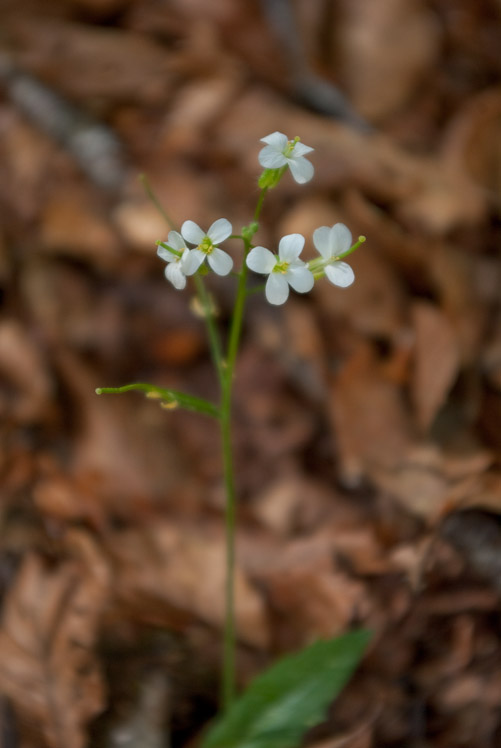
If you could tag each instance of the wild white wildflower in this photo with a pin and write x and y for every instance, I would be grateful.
(279, 151)
(206, 244)
(283, 270)
(180, 262)
(332, 242)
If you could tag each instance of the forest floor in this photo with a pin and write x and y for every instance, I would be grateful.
(367, 420)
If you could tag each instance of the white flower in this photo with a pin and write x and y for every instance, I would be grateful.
(283, 270)
(280, 152)
(332, 242)
(180, 263)
(220, 262)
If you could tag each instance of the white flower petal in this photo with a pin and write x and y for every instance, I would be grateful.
(290, 247)
(277, 140)
(261, 260)
(301, 279)
(340, 239)
(340, 274)
(220, 230)
(277, 288)
(175, 275)
(270, 158)
(301, 169)
(220, 261)
(192, 232)
(176, 241)
(322, 242)
(300, 149)
(166, 255)
(191, 261)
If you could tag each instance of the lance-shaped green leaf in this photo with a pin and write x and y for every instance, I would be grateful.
(171, 398)
(291, 697)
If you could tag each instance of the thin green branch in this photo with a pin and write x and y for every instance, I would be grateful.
(172, 398)
(156, 202)
(226, 380)
(214, 338)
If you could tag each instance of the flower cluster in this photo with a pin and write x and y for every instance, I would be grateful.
(284, 269)
(182, 261)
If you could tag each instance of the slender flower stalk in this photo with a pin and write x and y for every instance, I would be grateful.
(284, 269)
(229, 643)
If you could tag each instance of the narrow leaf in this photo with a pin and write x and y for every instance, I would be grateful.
(291, 697)
(170, 398)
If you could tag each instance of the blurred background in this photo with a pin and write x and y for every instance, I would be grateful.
(367, 432)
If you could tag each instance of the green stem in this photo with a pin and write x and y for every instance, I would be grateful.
(361, 240)
(214, 339)
(156, 202)
(226, 379)
(171, 398)
(229, 639)
(229, 644)
(225, 372)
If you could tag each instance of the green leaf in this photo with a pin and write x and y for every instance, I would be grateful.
(291, 697)
(171, 398)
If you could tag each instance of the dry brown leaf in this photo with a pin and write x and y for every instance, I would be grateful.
(47, 667)
(290, 504)
(472, 139)
(172, 573)
(308, 596)
(454, 275)
(74, 224)
(198, 107)
(436, 362)
(63, 499)
(27, 397)
(428, 482)
(368, 417)
(27, 156)
(140, 224)
(374, 305)
(416, 483)
(119, 65)
(123, 441)
(385, 51)
(360, 737)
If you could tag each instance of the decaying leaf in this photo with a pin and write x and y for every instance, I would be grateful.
(47, 665)
(170, 574)
(436, 360)
(368, 416)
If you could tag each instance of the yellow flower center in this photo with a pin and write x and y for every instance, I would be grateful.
(289, 148)
(206, 246)
(281, 267)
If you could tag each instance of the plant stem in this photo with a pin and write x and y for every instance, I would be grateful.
(214, 340)
(229, 640)
(229, 643)
(226, 379)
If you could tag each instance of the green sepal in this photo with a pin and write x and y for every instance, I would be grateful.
(171, 398)
(270, 178)
(292, 696)
(169, 249)
(249, 231)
